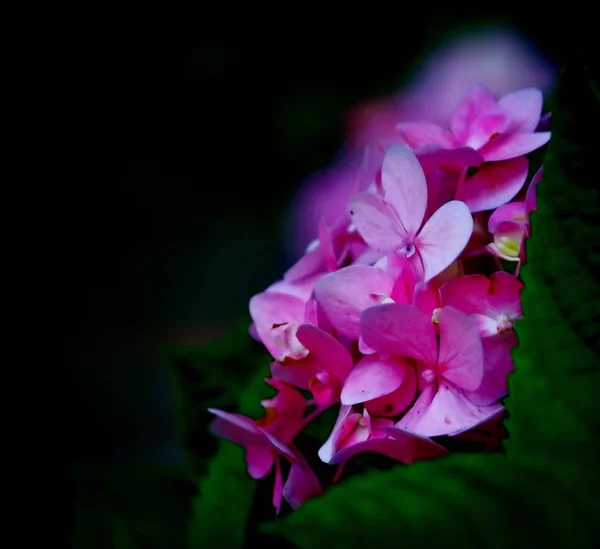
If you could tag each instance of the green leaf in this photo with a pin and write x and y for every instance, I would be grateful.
(542, 492)
(213, 375)
(228, 373)
(131, 505)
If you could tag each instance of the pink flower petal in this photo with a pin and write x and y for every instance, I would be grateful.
(444, 237)
(327, 450)
(259, 459)
(460, 358)
(402, 446)
(507, 146)
(405, 187)
(435, 158)
(302, 484)
(419, 134)
(375, 222)
(493, 184)
(530, 197)
(277, 487)
(417, 411)
(488, 124)
(272, 310)
(477, 101)
(523, 108)
(327, 350)
(468, 294)
(296, 373)
(309, 264)
(498, 364)
(401, 330)
(427, 298)
(513, 211)
(344, 294)
(326, 246)
(451, 413)
(373, 377)
(396, 402)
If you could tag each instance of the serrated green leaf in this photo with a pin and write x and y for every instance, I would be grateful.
(542, 492)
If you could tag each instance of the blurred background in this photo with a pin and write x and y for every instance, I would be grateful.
(213, 166)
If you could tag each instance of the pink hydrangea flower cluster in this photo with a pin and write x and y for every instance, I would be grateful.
(401, 313)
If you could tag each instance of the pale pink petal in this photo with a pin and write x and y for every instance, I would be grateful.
(507, 146)
(373, 377)
(326, 246)
(477, 101)
(498, 364)
(444, 237)
(513, 211)
(310, 263)
(405, 187)
(486, 325)
(493, 184)
(400, 329)
(271, 313)
(401, 269)
(396, 402)
(418, 409)
(327, 350)
(523, 108)
(420, 134)
(344, 294)
(460, 358)
(259, 459)
(488, 124)
(402, 446)
(376, 222)
(451, 413)
(327, 450)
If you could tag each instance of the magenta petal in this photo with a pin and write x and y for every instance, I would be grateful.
(435, 158)
(444, 237)
(468, 293)
(399, 329)
(326, 246)
(375, 222)
(498, 364)
(397, 401)
(451, 413)
(401, 269)
(297, 373)
(513, 145)
(344, 294)
(523, 108)
(405, 187)
(237, 421)
(427, 298)
(493, 185)
(301, 484)
(371, 378)
(513, 211)
(477, 101)
(420, 134)
(460, 358)
(326, 349)
(505, 295)
(401, 445)
(530, 197)
(277, 486)
(260, 460)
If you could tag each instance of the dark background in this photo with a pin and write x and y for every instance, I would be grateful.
(197, 154)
